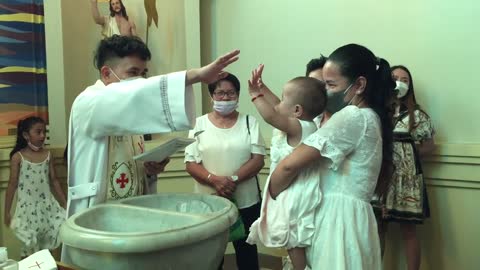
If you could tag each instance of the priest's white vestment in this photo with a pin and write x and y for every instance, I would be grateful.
(141, 106)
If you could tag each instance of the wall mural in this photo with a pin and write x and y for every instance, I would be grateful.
(23, 73)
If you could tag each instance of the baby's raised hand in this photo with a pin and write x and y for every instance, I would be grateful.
(255, 83)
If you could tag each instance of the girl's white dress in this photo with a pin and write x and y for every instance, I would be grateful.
(38, 216)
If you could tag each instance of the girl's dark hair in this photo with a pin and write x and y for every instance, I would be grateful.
(408, 102)
(123, 11)
(355, 61)
(24, 126)
(230, 78)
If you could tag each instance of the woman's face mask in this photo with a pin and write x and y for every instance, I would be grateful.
(336, 100)
(225, 107)
(402, 89)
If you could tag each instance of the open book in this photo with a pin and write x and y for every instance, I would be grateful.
(164, 150)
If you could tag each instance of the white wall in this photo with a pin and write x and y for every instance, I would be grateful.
(175, 43)
(436, 39)
(55, 71)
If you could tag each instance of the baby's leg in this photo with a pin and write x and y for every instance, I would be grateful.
(298, 257)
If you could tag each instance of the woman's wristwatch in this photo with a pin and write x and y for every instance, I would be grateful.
(234, 178)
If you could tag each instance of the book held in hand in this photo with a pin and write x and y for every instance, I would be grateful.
(166, 149)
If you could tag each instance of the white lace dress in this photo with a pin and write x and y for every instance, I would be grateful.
(38, 216)
(288, 221)
(346, 231)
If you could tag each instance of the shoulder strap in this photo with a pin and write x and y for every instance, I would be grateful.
(402, 115)
(256, 176)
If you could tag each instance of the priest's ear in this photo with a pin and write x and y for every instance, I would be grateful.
(107, 75)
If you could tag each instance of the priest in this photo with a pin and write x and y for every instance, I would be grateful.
(108, 118)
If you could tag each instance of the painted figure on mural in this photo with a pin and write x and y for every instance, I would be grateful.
(117, 23)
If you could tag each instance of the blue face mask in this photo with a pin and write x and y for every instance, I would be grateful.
(336, 101)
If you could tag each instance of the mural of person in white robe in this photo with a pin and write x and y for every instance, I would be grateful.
(117, 23)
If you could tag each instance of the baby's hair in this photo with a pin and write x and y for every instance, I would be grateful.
(311, 95)
(24, 126)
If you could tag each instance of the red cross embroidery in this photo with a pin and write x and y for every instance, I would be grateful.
(36, 265)
(122, 180)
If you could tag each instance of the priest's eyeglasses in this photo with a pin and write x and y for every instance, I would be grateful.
(221, 94)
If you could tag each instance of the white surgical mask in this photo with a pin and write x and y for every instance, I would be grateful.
(34, 148)
(123, 80)
(225, 107)
(402, 89)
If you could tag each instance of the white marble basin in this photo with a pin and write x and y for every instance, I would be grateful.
(162, 231)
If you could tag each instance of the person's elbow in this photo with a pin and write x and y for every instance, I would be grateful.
(427, 147)
(93, 130)
(281, 178)
(286, 169)
(188, 167)
(431, 148)
(261, 161)
(98, 20)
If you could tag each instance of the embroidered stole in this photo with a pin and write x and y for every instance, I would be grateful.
(125, 177)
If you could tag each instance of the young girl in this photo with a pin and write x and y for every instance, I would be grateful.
(288, 221)
(38, 215)
(406, 201)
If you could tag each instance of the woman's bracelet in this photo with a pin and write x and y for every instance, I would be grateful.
(259, 95)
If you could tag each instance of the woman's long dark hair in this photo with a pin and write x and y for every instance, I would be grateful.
(24, 126)
(355, 61)
(123, 11)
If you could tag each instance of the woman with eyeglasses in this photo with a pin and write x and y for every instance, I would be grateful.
(226, 158)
